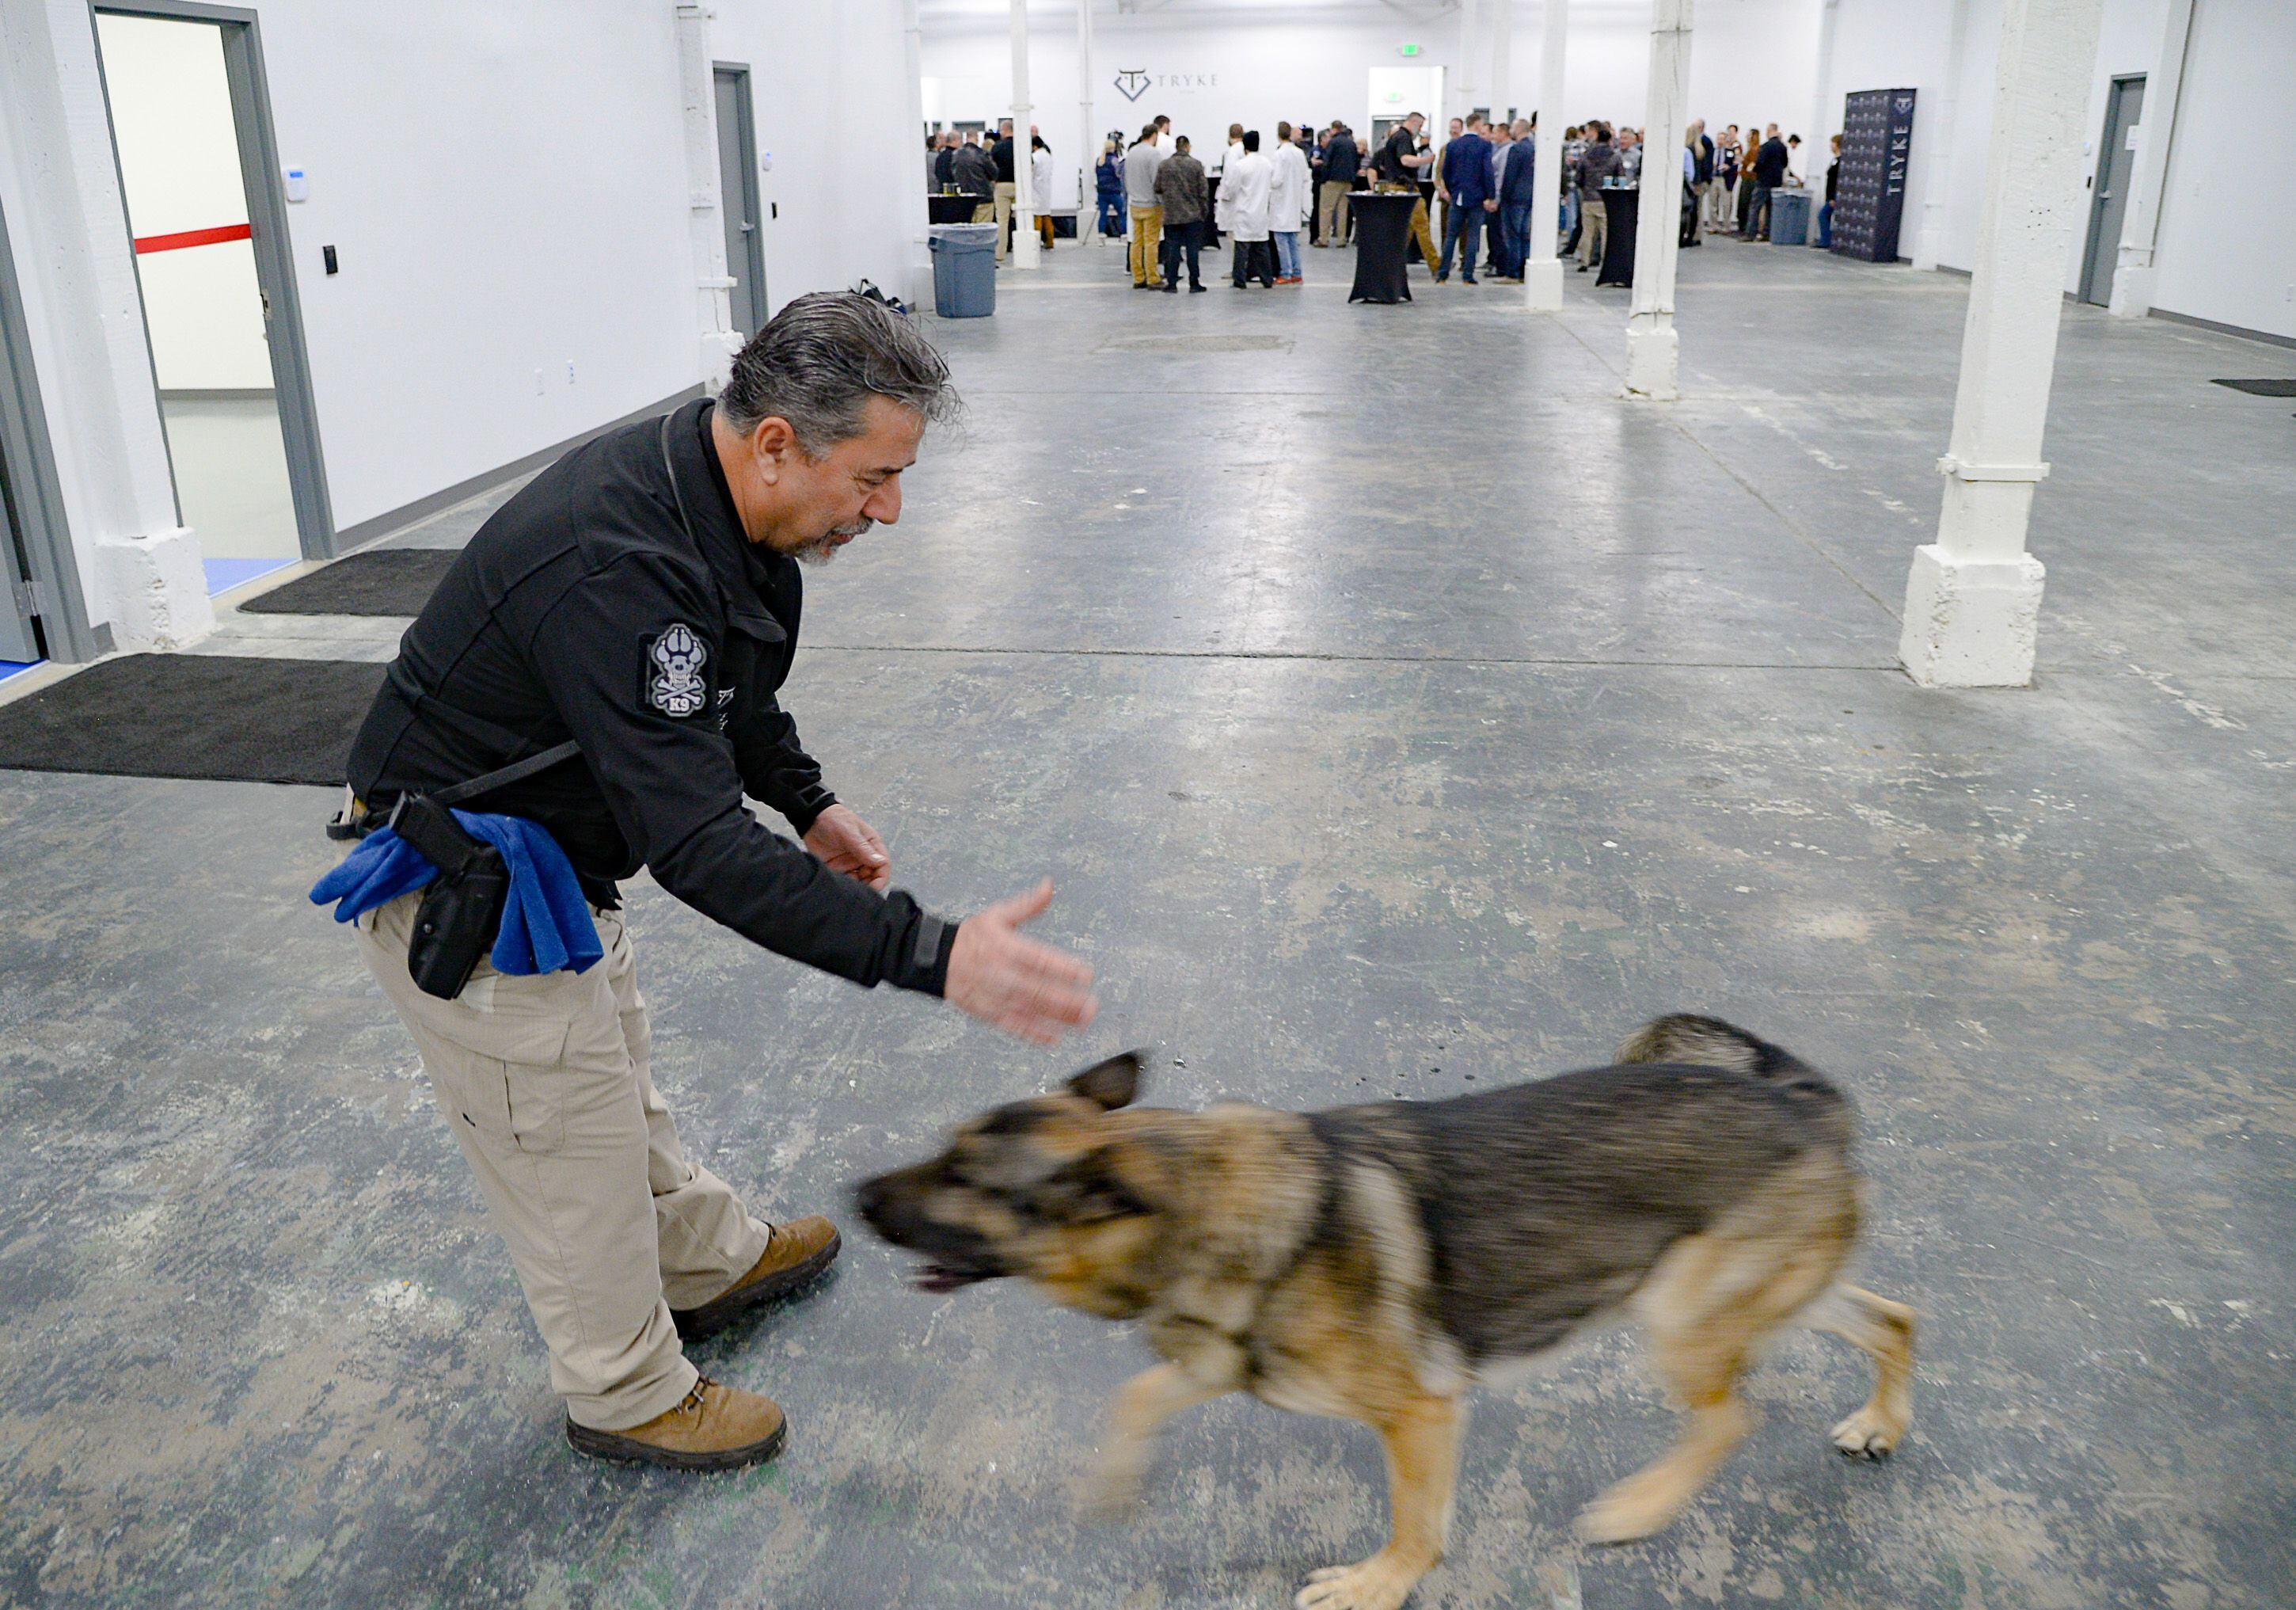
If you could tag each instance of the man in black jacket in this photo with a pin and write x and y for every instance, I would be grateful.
(1769, 173)
(1342, 164)
(641, 597)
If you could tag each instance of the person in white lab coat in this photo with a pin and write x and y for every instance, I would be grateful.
(1292, 196)
(1246, 185)
(1214, 166)
(1040, 186)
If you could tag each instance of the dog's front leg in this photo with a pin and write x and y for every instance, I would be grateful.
(1143, 1404)
(1422, 1439)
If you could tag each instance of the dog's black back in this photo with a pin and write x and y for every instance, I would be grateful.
(1545, 1204)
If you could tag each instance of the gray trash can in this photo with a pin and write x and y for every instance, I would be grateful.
(1789, 217)
(964, 269)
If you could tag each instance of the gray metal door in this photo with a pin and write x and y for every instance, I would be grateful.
(261, 174)
(16, 640)
(2116, 169)
(39, 573)
(738, 204)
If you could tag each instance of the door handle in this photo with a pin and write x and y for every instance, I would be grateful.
(748, 228)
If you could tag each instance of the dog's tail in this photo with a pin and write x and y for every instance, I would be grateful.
(1708, 1042)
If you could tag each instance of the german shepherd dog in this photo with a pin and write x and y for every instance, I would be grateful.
(1371, 1263)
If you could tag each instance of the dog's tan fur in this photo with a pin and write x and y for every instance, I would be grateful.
(1254, 1263)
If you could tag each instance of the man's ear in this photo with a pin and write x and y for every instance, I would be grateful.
(775, 442)
(1111, 1084)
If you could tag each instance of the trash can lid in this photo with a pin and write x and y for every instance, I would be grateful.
(963, 233)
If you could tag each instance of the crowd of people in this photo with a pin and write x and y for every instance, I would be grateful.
(1170, 202)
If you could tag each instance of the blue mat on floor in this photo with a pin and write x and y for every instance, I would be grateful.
(225, 574)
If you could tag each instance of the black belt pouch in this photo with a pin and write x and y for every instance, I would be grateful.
(462, 909)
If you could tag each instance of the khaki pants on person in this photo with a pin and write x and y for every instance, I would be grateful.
(1007, 193)
(1332, 200)
(1420, 231)
(546, 1083)
(1595, 216)
(1147, 227)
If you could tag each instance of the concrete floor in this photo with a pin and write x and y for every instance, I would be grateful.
(1393, 705)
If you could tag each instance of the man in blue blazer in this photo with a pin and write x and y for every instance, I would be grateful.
(1514, 185)
(1464, 176)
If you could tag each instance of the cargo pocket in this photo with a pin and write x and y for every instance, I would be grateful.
(513, 1106)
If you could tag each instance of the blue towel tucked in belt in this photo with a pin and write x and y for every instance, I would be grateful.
(545, 921)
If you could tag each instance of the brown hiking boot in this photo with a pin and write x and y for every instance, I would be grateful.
(795, 1252)
(717, 1428)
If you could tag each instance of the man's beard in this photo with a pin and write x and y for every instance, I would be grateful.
(823, 548)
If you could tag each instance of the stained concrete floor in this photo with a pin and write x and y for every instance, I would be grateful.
(1396, 708)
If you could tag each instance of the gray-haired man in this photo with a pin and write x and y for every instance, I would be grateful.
(640, 598)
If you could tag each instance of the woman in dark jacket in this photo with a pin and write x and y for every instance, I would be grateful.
(1108, 189)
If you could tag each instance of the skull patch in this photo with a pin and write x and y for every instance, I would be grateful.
(673, 682)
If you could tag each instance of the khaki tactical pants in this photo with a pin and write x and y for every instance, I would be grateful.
(1147, 227)
(1333, 197)
(1593, 229)
(545, 1083)
(1008, 191)
(1419, 230)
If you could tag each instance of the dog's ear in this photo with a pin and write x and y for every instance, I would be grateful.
(1111, 1084)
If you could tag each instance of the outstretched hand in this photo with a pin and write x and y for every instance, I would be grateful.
(843, 843)
(1001, 976)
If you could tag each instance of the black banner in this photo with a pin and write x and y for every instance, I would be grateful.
(1877, 144)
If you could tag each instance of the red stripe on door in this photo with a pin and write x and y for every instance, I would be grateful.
(193, 237)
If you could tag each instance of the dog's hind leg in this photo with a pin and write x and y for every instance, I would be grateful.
(1709, 1305)
(1143, 1404)
(1421, 1435)
(1885, 1331)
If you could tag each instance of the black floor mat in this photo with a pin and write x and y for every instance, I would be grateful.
(238, 720)
(392, 581)
(2262, 388)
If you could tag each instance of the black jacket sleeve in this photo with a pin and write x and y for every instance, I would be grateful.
(775, 768)
(669, 777)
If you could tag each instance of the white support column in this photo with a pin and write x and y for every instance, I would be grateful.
(1025, 244)
(918, 290)
(1501, 57)
(1542, 271)
(138, 570)
(1937, 174)
(1466, 80)
(2156, 130)
(1652, 354)
(697, 91)
(1973, 600)
(1824, 117)
(1088, 135)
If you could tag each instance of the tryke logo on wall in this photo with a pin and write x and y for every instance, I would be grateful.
(1133, 84)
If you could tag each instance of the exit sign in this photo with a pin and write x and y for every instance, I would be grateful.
(1407, 50)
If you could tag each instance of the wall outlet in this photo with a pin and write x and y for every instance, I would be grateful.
(570, 371)
(537, 382)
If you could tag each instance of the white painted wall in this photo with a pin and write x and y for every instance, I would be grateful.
(508, 199)
(171, 117)
(1750, 58)
(2227, 241)
(2226, 224)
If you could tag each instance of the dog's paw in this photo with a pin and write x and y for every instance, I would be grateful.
(1378, 1583)
(1632, 1510)
(1868, 1435)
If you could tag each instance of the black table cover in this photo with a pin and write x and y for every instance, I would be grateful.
(1622, 208)
(1383, 232)
(952, 208)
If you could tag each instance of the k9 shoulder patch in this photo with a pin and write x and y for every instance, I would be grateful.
(673, 682)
